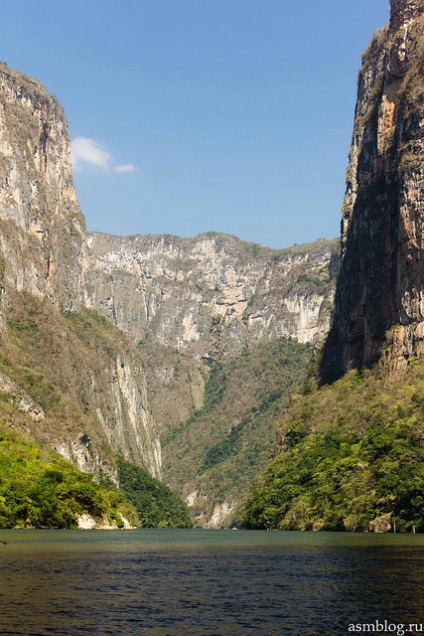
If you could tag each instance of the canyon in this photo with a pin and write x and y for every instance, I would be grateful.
(109, 342)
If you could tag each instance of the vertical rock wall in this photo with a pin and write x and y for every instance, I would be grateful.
(211, 295)
(42, 230)
(381, 283)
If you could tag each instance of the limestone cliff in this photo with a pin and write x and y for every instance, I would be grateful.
(381, 282)
(211, 295)
(64, 377)
(42, 230)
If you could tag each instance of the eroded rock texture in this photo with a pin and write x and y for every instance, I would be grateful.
(42, 230)
(381, 283)
(211, 295)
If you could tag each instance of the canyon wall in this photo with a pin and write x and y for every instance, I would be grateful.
(380, 293)
(211, 295)
(42, 281)
(42, 230)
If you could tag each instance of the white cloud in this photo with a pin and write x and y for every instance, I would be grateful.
(125, 167)
(87, 151)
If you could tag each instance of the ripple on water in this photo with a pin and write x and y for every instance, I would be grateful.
(191, 583)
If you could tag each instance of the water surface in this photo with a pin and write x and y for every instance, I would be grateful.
(197, 582)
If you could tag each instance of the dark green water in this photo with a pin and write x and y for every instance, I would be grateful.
(220, 583)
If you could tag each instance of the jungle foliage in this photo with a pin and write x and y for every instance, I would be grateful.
(221, 447)
(157, 505)
(39, 489)
(351, 453)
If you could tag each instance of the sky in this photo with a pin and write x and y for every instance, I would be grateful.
(189, 116)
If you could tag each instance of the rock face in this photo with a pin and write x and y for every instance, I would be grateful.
(42, 277)
(209, 313)
(42, 230)
(211, 295)
(381, 282)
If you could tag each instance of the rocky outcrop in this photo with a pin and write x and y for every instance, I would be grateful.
(211, 295)
(381, 282)
(88, 522)
(381, 524)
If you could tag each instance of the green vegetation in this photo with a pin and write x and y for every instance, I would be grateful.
(56, 371)
(214, 391)
(39, 489)
(221, 447)
(232, 443)
(352, 452)
(316, 283)
(259, 251)
(156, 504)
(88, 325)
(229, 446)
(60, 366)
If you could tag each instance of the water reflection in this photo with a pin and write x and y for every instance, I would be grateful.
(194, 583)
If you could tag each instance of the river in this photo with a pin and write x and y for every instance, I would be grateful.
(207, 582)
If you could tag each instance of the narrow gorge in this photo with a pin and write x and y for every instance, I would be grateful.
(110, 344)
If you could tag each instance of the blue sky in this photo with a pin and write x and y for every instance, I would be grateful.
(198, 115)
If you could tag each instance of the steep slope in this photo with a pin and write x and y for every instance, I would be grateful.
(381, 279)
(211, 311)
(80, 380)
(40, 489)
(42, 230)
(212, 458)
(67, 377)
(350, 457)
(213, 317)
